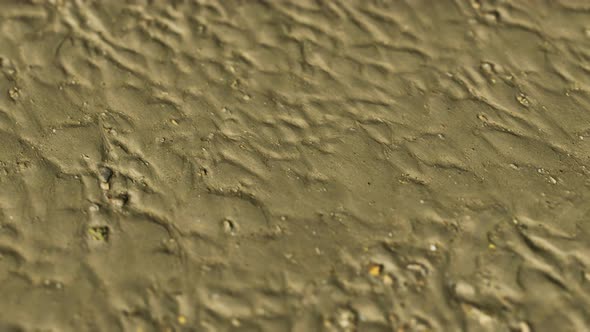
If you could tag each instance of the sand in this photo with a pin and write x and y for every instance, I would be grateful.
(335, 165)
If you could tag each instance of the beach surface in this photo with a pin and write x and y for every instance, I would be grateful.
(327, 165)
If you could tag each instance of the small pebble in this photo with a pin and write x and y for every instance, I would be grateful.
(118, 201)
(464, 290)
(99, 233)
(492, 16)
(228, 226)
(523, 100)
(346, 319)
(14, 93)
(524, 327)
(375, 269)
(105, 173)
(387, 280)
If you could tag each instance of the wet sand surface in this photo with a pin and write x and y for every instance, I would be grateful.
(296, 165)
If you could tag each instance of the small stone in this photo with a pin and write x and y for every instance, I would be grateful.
(228, 226)
(524, 327)
(346, 319)
(523, 100)
(277, 230)
(492, 16)
(463, 290)
(375, 269)
(99, 233)
(117, 202)
(482, 117)
(169, 246)
(387, 280)
(105, 174)
(487, 68)
(14, 93)
(120, 200)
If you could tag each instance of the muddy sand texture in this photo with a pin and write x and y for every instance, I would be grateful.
(295, 165)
